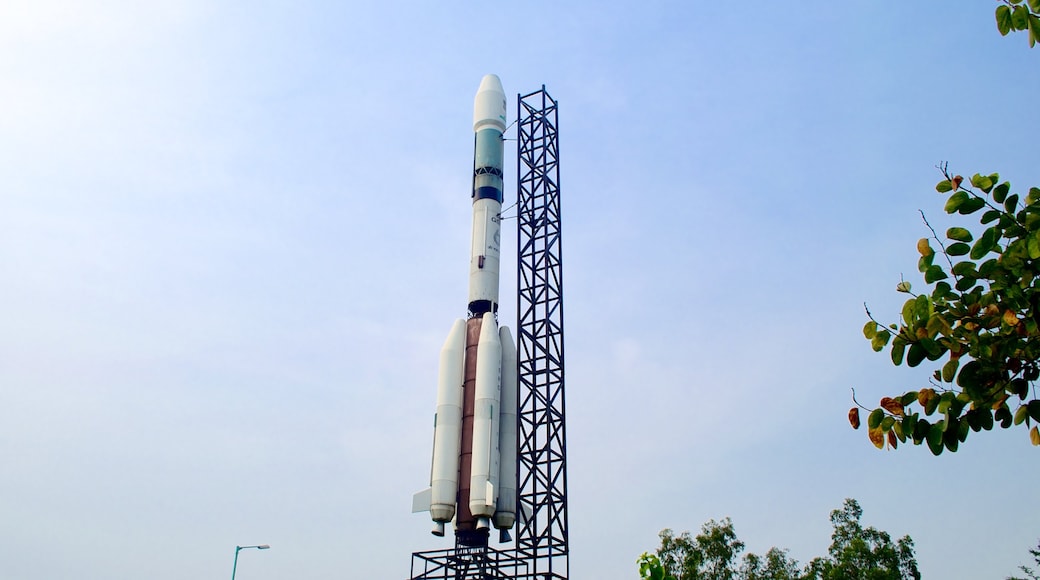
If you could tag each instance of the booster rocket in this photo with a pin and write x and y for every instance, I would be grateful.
(473, 477)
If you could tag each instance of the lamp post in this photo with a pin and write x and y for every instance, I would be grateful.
(239, 549)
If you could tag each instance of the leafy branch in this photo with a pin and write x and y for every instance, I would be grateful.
(985, 327)
(1019, 15)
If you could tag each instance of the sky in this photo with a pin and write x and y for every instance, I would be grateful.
(234, 235)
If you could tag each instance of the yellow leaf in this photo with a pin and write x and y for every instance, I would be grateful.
(924, 248)
(1010, 319)
(1034, 435)
(877, 437)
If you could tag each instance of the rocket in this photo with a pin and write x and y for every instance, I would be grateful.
(473, 477)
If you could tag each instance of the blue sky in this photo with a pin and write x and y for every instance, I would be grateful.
(233, 237)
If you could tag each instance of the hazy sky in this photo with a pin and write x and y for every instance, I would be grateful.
(233, 236)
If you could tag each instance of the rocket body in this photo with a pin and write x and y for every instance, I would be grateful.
(473, 476)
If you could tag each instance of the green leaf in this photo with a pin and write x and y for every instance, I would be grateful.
(1003, 19)
(987, 418)
(898, 348)
(949, 370)
(956, 200)
(935, 439)
(971, 206)
(930, 406)
(922, 307)
(932, 349)
(985, 244)
(944, 185)
(924, 263)
(965, 284)
(1000, 192)
(1034, 409)
(875, 417)
(908, 311)
(1003, 414)
(934, 274)
(898, 428)
(916, 355)
(1010, 204)
(958, 249)
(1034, 5)
(974, 420)
(951, 436)
(880, 340)
(944, 402)
(982, 182)
(887, 423)
(1021, 414)
(1033, 245)
(965, 269)
(870, 330)
(1034, 195)
(1019, 18)
(921, 429)
(959, 235)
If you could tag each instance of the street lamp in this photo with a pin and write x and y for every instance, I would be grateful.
(239, 549)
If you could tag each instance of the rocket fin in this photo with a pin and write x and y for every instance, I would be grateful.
(422, 500)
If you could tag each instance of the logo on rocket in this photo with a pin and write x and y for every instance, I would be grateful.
(473, 477)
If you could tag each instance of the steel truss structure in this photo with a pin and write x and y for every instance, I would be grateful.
(541, 549)
(542, 533)
(465, 563)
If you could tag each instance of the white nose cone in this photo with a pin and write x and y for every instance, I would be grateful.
(489, 106)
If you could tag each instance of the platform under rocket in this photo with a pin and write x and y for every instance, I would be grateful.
(473, 478)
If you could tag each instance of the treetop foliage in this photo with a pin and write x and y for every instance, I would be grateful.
(856, 553)
(1030, 573)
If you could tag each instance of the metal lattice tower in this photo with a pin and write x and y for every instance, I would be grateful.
(542, 533)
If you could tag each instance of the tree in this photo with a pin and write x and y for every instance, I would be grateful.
(1019, 15)
(1030, 572)
(863, 554)
(709, 556)
(855, 554)
(981, 315)
(776, 565)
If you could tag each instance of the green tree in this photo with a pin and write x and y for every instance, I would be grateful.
(711, 555)
(980, 315)
(856, 553)
(775, 565)
(1019, 15)
(1030, 573)
(859, 553)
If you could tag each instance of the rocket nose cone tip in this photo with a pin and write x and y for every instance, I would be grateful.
(490, 83)
(489, 106)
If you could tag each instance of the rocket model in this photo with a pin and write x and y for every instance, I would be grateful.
(473, 478)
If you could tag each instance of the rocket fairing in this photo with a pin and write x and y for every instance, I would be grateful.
(473, 477)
